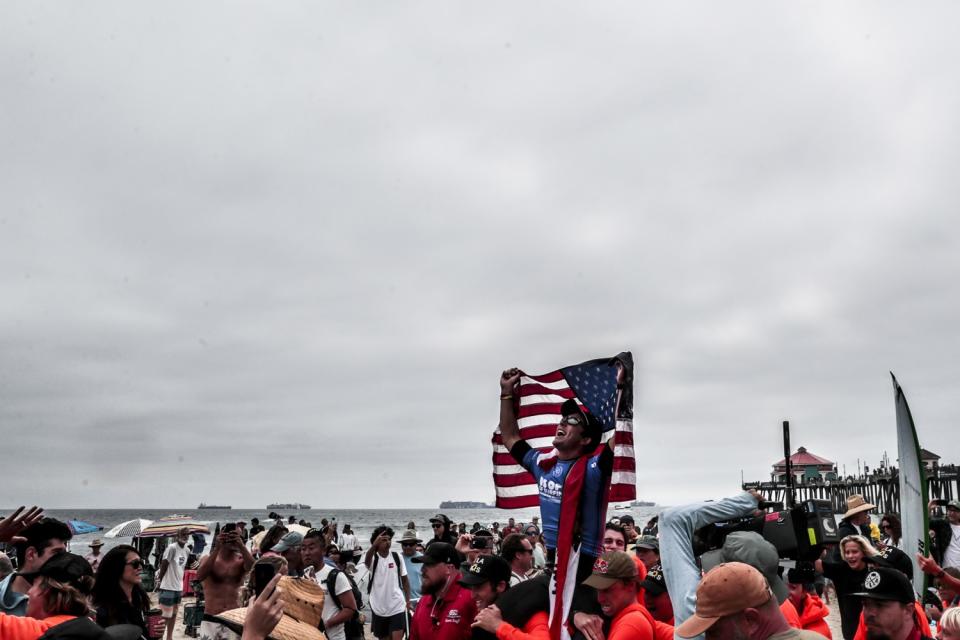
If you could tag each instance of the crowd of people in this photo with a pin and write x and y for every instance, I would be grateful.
(482, 582)
(571, 573)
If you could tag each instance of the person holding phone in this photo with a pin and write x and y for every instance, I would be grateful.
(222, 575)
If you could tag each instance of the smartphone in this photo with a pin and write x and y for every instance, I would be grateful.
(940, 503)
(263, 573)
(230, 526)
(481, 542)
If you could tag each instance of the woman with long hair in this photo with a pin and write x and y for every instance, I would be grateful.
(117, 594)
(848, 570)
(891, 530)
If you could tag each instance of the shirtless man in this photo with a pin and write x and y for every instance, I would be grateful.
(222, 574)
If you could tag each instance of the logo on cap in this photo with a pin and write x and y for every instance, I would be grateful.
(600, 566)
(872, 581)
(476, 567)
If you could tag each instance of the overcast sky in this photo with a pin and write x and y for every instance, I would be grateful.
(281, 251)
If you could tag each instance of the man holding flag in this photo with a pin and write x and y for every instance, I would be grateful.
(572, 476)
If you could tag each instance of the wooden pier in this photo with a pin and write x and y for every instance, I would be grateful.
(880, 488)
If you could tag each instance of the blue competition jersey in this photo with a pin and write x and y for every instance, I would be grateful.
(550, 485)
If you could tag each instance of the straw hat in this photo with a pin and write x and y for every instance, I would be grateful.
(302, 611)
(856, 504)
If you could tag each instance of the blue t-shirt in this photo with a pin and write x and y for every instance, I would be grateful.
(413, 575)
(550, 485)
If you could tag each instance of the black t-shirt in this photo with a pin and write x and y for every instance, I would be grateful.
(847, 581)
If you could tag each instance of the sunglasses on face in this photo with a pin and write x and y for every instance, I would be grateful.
(573, 420)
(408, 544)
(437, 525)
(136, 564)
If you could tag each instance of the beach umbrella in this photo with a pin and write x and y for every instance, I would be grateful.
(169, 526)
(128, 528)
(79, 527)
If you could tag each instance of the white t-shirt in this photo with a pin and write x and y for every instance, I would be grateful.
(348, 542)
(386, 596)
(330, 608)
(951, 558)
(176, 557)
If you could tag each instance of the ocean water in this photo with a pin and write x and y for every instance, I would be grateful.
(363, 521)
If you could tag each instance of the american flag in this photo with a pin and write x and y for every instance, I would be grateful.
(593, 385)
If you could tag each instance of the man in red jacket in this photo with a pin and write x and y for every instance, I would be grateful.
(813, 613)
(446, 609)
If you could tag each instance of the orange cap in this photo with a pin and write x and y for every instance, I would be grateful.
(726, 589)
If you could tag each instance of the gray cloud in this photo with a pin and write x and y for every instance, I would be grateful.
(253, 248)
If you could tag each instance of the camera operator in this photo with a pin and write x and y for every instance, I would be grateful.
(677, 527)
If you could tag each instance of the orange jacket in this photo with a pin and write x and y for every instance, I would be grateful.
(662, 630)
(814, 616)
(536, 628)
(21, 628)
(631, 624)
(790, 613)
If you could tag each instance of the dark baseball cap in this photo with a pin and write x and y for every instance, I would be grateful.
(492, 569)
(801, 575)
(64, 567)
(648, 542)
(438, 553)
(882, 583)
(655, 583)
(440, 518)
(592, 427)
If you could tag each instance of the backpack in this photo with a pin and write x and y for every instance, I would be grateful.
(373, 569)
(352, 628)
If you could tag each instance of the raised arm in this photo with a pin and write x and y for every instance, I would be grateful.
(509, 386)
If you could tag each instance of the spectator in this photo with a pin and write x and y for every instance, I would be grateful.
(810, 608)
(339, 603)
(347, 543)
(389, 588)
(891, 530)
(856, 520)
(170, 579)
(848, 576)
(221, 573)
(950, 624)
(289, 548)
(488, 581)
(41, 541)
(647, 549)
(948, 535)
(614, 577)
(446, 610)
(94, 556)
(656, 597)
(408, 548)
(518, 553)
(442, 530)
(888, 606)
(734, 601)
(118, 596)
(539, 550)
(57, 603)
(629, 528)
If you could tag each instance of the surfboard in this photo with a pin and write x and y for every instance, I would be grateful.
(914, 515)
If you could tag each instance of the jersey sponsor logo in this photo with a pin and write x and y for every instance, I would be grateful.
(453, 616)
(551, 490)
